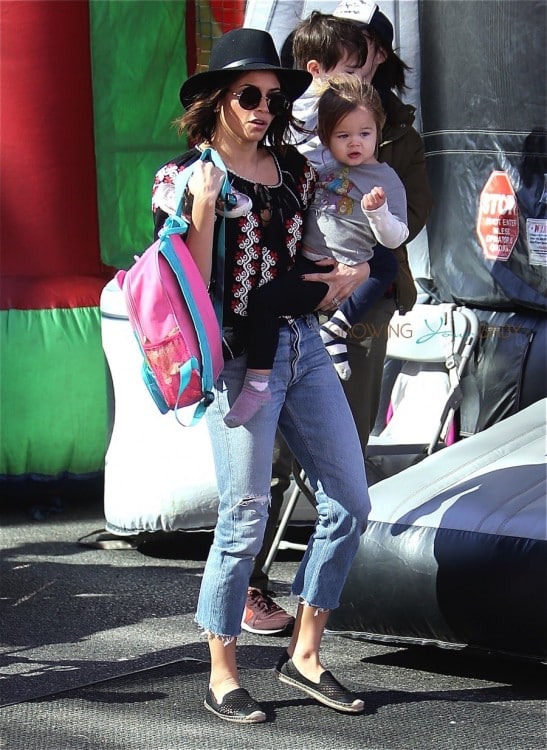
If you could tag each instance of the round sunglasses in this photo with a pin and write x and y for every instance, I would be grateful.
(251, 96)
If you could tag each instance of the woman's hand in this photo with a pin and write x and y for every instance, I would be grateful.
(342, 281)
(204, 185)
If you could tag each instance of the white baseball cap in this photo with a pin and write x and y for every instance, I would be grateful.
(369, 14)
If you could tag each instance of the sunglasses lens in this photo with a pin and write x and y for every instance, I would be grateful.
(250, 97)
(277, 103)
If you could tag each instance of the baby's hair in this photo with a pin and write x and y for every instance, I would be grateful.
(341, 95)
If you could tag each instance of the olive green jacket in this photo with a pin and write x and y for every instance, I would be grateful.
(403, 150)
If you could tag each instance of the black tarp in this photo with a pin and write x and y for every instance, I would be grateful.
(484, 111)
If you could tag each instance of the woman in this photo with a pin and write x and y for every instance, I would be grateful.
(241, 103)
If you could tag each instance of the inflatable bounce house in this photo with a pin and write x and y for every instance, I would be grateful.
(89, 91)
(455, 553)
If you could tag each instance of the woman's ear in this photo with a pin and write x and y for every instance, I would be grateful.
(380, 56)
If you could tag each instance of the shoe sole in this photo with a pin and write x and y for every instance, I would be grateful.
(319, 696)
(257, 717)
(235, 214)
(250, 629)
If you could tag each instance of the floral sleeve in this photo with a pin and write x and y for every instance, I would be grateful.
(163, 189)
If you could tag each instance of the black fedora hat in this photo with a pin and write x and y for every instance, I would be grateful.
(239, 51)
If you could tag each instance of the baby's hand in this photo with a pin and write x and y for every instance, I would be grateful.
(374, 199)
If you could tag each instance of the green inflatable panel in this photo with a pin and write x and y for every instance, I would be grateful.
(136, 83)
(52, 357)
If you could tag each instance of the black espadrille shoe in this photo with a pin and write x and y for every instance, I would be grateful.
(327, 691)
(237, 705)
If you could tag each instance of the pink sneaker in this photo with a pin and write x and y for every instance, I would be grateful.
(263, 616)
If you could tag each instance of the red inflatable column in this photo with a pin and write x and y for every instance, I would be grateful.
(48, 221)
(53, 389)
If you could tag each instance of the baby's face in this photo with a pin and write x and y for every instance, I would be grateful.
(353, 140)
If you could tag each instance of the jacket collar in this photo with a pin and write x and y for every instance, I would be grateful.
(399, 116)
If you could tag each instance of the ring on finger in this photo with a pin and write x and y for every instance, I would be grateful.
(335, 301)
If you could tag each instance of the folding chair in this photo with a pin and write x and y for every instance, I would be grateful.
(300, 488)
(434, 343)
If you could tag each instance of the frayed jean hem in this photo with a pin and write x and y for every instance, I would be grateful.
(226, 639)
(318, 610)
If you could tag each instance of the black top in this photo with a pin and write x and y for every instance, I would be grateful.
(262, 244)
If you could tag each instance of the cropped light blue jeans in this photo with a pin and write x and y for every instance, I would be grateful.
(309, 404)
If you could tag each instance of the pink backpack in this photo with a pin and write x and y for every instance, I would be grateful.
(172, 316)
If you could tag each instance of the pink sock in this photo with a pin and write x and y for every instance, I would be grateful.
(254, 394)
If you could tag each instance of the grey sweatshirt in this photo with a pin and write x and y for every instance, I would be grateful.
(336, 225)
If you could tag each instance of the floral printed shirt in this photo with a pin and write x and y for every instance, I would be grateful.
(262, 244)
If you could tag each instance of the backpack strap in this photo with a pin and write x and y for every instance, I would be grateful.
(179, 224)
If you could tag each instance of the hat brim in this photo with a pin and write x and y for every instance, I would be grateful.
(293, 82)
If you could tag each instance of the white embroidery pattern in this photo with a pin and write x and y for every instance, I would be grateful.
(268, 262)
(294, 232)
(309, 176)
(247, 264)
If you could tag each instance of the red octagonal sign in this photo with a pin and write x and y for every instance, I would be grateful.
(498, 219)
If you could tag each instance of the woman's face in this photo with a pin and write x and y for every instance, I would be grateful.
(375, 57)
(250, 124)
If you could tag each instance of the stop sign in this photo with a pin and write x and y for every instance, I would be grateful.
(498, 219)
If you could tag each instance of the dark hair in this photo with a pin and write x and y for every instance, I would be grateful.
(285, 55)
(327, 39)
(199, 122)
(391, 74)
(342, 95)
